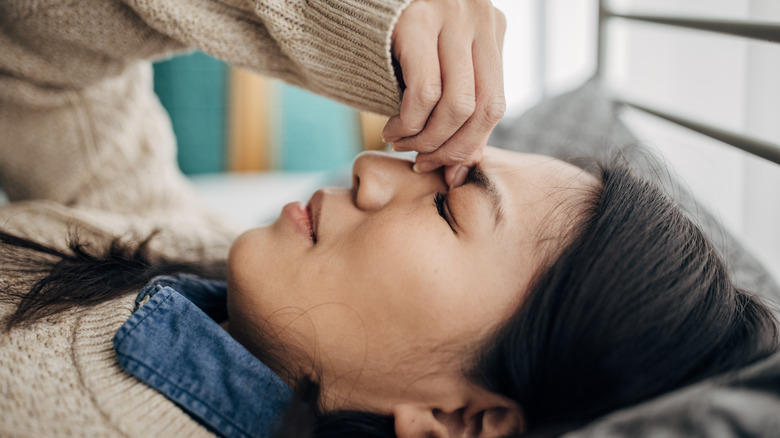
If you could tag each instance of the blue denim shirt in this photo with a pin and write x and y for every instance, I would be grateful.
(173, 344)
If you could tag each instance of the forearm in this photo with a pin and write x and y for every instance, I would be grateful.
(77, 107)
(336, 48)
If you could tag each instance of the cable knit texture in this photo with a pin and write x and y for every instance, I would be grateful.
(85, 144)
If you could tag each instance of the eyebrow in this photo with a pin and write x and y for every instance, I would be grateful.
(478, 178)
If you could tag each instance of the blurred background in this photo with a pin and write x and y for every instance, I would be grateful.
(252, 144)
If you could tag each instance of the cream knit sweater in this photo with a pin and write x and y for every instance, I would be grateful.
(84, 143)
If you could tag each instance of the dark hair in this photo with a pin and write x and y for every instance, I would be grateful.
(636, 304)
(83, 275)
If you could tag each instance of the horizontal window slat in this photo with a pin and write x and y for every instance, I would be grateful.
(758, 147)
(767, 31)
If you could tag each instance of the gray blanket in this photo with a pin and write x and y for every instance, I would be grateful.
(583, 125)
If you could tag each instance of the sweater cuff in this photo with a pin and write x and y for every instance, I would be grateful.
(342, 48)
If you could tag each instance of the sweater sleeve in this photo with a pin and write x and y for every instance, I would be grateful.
(336, 48)
(80, 124)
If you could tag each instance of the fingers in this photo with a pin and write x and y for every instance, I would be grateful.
(455, 176)
(420, 97)
(416, 47)
(465, 146)
(457, 103)
(450, 56)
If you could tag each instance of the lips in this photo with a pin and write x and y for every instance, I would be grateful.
(296, 213)
(313, 209)
(305, 218)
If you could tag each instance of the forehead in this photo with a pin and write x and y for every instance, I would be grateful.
(537, 196)
(534, 166)
(539, 193)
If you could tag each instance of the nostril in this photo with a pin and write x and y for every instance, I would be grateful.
(355, 187)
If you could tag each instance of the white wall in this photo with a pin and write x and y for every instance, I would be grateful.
(520, 45)
(567, 31)
(725, 81)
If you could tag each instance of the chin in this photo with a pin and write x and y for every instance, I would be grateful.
(242, 244)
(247, 251)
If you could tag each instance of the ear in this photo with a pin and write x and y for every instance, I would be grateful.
(475, 421)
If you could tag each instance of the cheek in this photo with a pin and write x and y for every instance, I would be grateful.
(403, 276)
(261, 270)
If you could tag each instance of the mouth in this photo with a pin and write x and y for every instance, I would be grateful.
(313, 210)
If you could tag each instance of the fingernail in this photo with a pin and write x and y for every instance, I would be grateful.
(416, 168)
(459, 177)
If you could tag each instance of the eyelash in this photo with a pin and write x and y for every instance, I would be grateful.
(440, 201)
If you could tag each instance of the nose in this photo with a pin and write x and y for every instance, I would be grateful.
(378, 178)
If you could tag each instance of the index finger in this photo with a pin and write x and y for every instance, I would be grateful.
(455, 176)
(422, 76)
(490, 107)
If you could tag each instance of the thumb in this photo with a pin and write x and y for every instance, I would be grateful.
(456, 175)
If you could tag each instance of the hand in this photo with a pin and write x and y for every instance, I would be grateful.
(450, 57)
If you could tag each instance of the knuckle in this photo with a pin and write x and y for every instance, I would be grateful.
(423, 144)
(462, 107)
(430, 94)
(448, 160)
(426, 13)
(410, 126)
(427, 147)
(442, 158)
(495, 107)
(455, 155)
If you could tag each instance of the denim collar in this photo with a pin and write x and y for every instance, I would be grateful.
(173, 344)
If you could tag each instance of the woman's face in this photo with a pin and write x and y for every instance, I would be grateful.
(381, 288)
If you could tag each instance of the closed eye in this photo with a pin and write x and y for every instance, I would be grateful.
(443, 208)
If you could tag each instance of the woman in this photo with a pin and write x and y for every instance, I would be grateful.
(397, 258)
(548, 247)
(533, 298)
